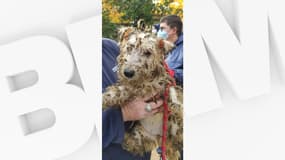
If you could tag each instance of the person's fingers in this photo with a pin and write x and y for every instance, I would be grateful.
(153, 112)
(149, 97)
(157, 104)
(156, 110)
(155, 107)
(160, 109)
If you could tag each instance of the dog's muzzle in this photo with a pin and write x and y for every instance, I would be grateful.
(129, 73)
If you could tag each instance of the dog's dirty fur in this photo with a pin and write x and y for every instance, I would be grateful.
(142, 56)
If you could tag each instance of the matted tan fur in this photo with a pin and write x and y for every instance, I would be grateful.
(141, 73)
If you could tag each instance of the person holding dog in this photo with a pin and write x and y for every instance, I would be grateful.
(170, 28)
(117, 120)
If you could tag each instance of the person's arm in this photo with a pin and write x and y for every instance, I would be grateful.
(178, 75)
(175, 63)
(114, 119)
(113, 127)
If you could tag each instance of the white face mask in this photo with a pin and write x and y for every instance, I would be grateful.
(162, 34)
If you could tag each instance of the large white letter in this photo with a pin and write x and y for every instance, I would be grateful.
(86, 42)
(243, 60)
(73, 116)
(277, 35)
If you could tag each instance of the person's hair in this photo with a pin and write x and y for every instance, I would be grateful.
(173, 21)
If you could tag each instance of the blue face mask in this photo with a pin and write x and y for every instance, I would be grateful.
(162, 34)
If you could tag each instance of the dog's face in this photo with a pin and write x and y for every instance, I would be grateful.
(141, 55)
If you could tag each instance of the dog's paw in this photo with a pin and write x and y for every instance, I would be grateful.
(108, 98)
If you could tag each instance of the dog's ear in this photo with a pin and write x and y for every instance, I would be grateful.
(164, 45)
(124, 33)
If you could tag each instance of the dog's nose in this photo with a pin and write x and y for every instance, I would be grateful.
(129, 73)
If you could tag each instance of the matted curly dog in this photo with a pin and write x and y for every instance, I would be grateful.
(142, 72)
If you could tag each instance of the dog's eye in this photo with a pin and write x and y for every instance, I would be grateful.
(147, 53)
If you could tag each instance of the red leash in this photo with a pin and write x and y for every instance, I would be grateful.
(165, 120)
(165, 113)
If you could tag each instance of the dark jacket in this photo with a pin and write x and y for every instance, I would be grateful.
(175, 60)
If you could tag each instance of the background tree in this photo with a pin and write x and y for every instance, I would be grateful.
(133, 10)
(166, 7)
(128, 12)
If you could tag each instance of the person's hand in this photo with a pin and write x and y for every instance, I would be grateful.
(136, 109)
